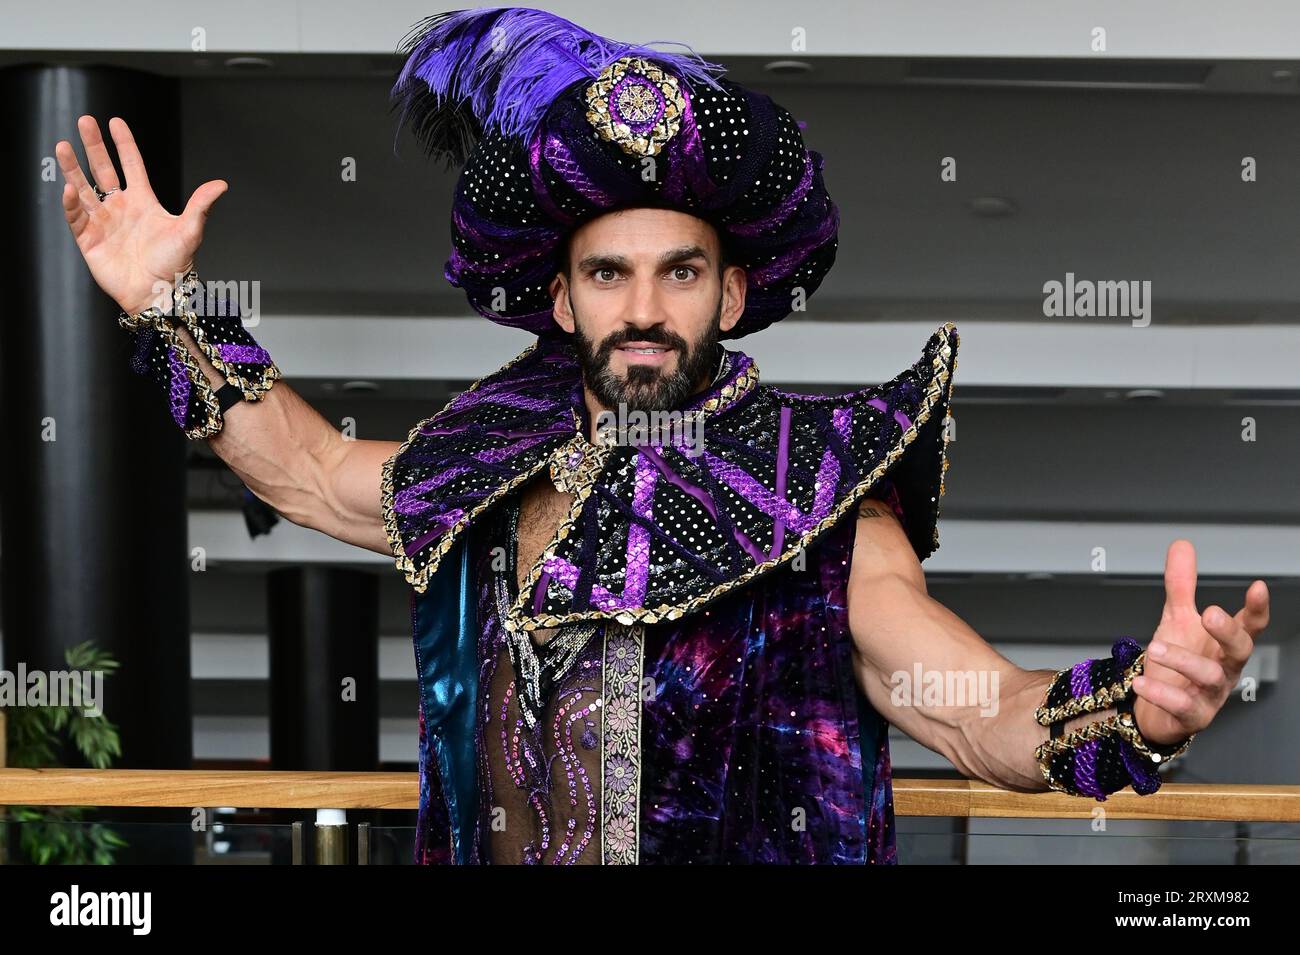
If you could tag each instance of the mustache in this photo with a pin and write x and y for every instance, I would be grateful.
(655, 335)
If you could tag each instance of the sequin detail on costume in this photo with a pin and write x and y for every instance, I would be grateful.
(751, 720)
(555, 125)
(655, 532)
(636, 104)
(539, 728)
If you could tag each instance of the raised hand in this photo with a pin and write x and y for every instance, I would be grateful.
(134, 247)
(1195, 658)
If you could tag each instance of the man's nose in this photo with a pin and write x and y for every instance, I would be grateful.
(646, 306)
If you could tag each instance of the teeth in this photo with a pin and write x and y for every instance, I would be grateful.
(645, 351)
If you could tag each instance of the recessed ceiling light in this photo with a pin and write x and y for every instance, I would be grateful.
(248, 63)
(992, 207)
(788, 67)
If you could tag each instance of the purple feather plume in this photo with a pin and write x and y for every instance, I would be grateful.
(500, 68)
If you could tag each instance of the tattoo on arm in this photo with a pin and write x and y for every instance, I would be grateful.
(870, 510)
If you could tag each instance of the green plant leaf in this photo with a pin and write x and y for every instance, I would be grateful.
(58, 834)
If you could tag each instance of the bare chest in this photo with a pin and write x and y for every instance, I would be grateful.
(541, 511)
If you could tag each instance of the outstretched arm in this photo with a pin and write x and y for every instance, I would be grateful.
(898, 628)
(301, 465)
(287, 454)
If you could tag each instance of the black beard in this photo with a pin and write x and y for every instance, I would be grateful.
(645, 388)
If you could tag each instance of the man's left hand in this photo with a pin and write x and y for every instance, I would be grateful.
(1195, 658)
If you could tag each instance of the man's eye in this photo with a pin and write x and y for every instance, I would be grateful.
(685, 268)
(599, 273)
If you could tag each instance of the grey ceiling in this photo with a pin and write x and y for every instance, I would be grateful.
(1109, 183)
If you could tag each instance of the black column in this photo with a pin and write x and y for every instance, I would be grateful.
(94, 522)
(324, 630)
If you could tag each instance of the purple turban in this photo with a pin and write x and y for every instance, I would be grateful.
(555, 125)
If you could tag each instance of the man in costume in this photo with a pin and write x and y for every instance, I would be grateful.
(633, 647)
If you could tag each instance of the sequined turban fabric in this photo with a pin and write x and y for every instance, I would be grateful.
(555, 126)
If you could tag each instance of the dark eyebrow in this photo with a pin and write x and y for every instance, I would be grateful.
(677, 256)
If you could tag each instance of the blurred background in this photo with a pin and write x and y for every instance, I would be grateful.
(1164, 149)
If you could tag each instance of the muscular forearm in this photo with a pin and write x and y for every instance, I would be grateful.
(288, 455)
(989, 736)
(1003, 746)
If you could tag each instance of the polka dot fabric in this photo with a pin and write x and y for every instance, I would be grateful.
(737, 160)
(659, 532)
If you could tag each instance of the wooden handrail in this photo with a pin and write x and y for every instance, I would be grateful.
(1226, 802)
(273, 789)
(187, 788)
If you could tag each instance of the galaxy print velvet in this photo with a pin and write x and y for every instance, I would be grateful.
(757, 746)
(724, 571)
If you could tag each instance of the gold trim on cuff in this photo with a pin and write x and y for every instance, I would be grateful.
(1101, 699)
(253, 388)
(213, 419)
(1118, 724)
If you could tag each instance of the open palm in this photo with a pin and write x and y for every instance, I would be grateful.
(135, 248)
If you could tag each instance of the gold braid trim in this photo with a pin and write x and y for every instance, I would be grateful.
(1120, 724)
(596, 454)
(1101, 699)
(212, 419)
(253, 389)
(940, 387)
(419, 578)
(151, 317)
(154, 319)
(613, 130)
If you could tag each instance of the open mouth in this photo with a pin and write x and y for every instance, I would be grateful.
(638, 353)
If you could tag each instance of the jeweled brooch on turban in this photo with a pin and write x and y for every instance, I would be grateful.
(636, 104)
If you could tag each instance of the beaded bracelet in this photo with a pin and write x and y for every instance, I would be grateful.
(220, 335)
(1109, 754)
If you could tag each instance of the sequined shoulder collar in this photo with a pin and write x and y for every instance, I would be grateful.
(496, 436)
(655, 533)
